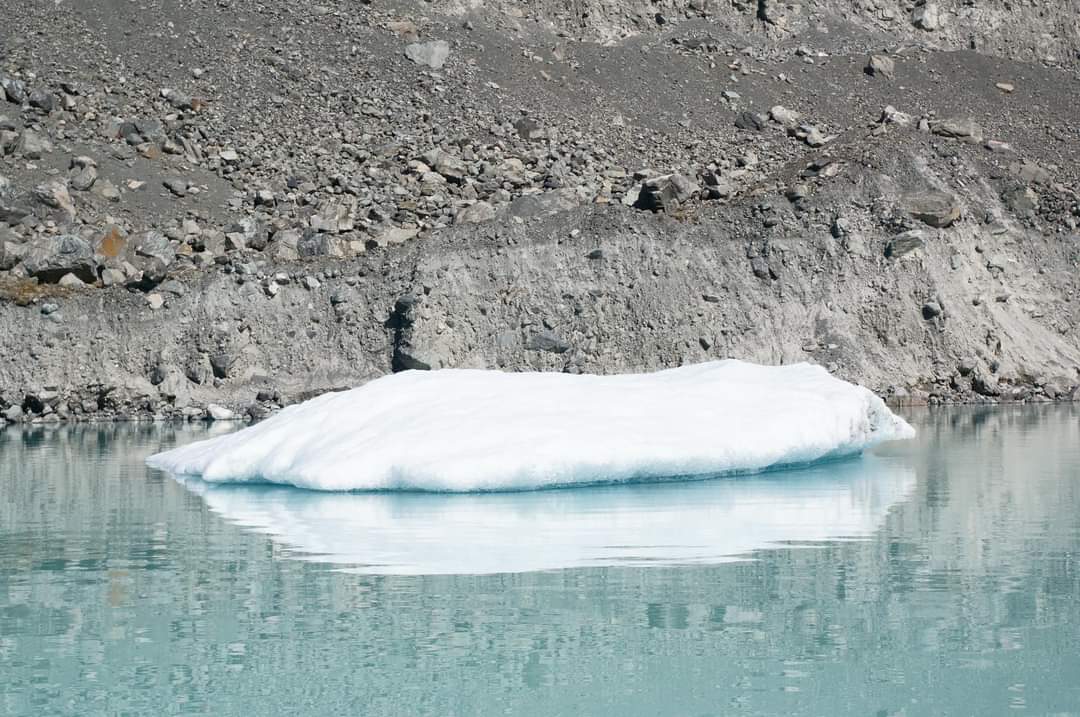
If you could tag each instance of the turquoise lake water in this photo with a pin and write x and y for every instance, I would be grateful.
(936, 577)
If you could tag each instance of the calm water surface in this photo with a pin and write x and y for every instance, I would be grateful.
(938, 577)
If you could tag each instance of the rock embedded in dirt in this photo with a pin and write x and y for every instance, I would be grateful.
(880, 66)
(665, 193)
(958, 128)
(751, 121)
(547, 341)
(32, 145)
(784, 116)
(14, 90)
(926, 16)
(905, 243)
(475, 213)
(429, 54)
(936, 209)
(83, 173)
(177, 185)
(42, 99)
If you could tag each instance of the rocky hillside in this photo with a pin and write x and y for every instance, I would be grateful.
(217, 207)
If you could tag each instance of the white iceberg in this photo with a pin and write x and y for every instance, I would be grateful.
(473, 430)
(656, 524)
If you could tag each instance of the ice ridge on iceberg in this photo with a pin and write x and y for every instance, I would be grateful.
(466, 430)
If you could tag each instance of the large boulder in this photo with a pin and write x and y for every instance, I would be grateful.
(49, 258)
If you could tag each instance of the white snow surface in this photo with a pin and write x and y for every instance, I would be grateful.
(466, 430)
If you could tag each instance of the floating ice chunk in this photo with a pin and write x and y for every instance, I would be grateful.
(472, 430)
(702, 522)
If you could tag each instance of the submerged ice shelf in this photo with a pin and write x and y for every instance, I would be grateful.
(472, 430)
(657, 524)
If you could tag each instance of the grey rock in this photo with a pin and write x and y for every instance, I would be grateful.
(177, 185)
(446, 164)
(13, 210)
(175, 387)
(71, 281)
(112, 277)
(528, 128)
(811, 135)
(49, 258)
(222, 361)
(787, 118)
(284, 245)
(83, 173)
(891, 115)
(335, 215)
(665, 193)
(926, 16)
(216, 412)
(55, 195)
(107, 190)
(963, 128)
(14, 89)
(1024, 201)
(937, 209)
(985, 384)
(42, 99)
(1029, 171)
(880, 66)
(429, 54)
(11, 251)
(32, 145)
(257, 411)
(315, 244)
(392, 236)
(751, 121)
(547, 341)
(931, 310)
(155, 245)
(475, 213)
(905, 243)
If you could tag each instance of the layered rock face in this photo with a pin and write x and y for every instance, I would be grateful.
(264, 201)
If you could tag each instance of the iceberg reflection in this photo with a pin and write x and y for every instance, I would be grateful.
(707, 521)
